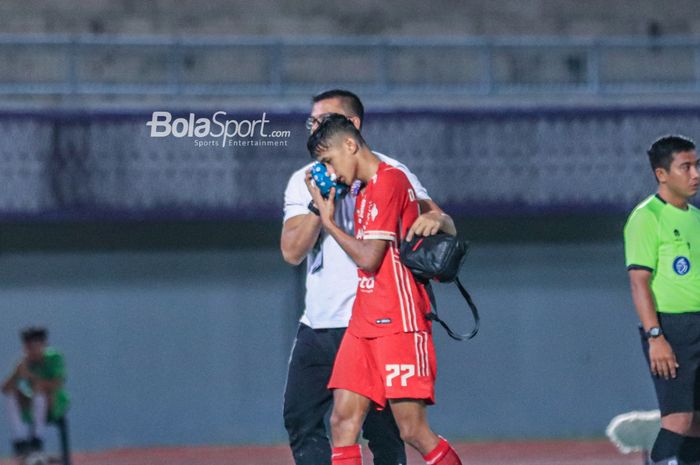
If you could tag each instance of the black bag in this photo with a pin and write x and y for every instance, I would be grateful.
(439, 258)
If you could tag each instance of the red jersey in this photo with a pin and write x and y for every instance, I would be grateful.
(390, 300)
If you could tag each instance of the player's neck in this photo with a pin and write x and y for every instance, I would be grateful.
(671, 198)
(368, 166)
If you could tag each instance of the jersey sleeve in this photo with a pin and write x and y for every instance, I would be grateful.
(296, 196)
(641, 241)
(385, 206)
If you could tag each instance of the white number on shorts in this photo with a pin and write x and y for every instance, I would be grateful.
(395, 370)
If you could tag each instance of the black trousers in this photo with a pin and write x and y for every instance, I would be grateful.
(307, 401)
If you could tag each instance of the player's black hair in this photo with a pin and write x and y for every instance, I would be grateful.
(34, 333)
(351, 101)
(664, 148)
(331, 126)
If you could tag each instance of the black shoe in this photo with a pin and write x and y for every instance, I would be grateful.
(36, 445)
(20, 448)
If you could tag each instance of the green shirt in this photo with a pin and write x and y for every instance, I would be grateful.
(665, 240)
(53, 367)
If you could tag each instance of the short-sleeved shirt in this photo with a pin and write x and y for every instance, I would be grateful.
(53, 367)
(389, 300)
(331, 275)
(665, 240)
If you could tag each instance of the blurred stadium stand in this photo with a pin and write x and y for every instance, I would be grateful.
(300, 18)
(186, 67)
(72, 52)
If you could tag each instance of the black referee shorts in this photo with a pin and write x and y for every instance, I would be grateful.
(680, 394)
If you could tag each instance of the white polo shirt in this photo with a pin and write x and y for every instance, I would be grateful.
(331, 275)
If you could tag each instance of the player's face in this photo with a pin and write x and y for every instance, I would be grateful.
(682, 178)
(323, 108)
(34, 350)
(339, 159)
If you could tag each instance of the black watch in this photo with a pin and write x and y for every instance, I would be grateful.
(654, 332)
(312, 208)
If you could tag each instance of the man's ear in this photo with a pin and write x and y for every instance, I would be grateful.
(351, 145)
(355, 121)
(661, 174)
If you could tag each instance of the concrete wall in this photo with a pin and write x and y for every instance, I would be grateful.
(190, 347)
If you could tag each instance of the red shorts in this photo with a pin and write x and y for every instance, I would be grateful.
(397, 366)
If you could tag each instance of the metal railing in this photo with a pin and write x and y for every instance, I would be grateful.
(177, 66)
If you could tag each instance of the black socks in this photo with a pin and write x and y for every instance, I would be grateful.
(667, 445)
(21, 448)
(690, 452)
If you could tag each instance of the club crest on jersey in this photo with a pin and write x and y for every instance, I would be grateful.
(681, 265)
(373, 211)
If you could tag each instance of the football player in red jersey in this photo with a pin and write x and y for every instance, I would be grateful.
(387, 354)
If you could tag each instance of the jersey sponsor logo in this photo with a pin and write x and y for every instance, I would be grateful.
(404, 370)
(367, 283)
(411, 195)
(384, 321)
(681, 265)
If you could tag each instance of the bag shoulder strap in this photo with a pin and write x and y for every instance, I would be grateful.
(433, 315)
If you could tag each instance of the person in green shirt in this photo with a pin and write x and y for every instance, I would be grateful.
(662, 252)
(35, 391)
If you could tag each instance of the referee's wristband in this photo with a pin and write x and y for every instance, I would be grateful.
(312, 208)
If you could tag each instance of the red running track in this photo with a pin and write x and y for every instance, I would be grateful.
(598, 452)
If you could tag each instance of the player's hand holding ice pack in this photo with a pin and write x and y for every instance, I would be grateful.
(325, 181)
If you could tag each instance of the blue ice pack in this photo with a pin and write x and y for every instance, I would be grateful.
(325, 181)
